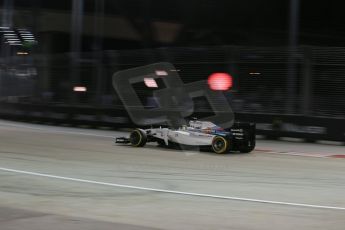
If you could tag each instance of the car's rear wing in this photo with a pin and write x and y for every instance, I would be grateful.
(246, 129)
(250, 126)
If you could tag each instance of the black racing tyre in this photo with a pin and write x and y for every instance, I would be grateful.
(138, 138)
(220, 145)
(248, 148)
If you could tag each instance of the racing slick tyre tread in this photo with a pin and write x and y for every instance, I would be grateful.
(250, 143)
(220, 145)
(138, 138)
(247, 149)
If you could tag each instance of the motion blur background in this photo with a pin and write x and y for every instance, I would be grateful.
(286, 59)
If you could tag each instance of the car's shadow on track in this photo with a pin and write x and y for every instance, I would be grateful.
(184, 149)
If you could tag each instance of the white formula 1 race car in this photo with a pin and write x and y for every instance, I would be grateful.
(202, 134)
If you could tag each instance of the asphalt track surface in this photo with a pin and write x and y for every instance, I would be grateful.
(67, 178)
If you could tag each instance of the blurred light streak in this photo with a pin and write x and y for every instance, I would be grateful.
(161, 73)
(79, 89)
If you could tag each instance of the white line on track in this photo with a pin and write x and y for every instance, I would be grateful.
(171, 191)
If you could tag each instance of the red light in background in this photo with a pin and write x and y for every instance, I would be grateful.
(220, 81)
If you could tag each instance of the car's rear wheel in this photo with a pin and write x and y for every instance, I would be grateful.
(248, 148)
(138, 138)
(249, 145)
(220, 145)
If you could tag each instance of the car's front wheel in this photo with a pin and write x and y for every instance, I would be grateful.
(138, 138)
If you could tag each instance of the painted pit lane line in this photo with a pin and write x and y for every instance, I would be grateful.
(204, 195)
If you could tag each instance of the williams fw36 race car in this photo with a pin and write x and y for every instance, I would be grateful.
(202, 134)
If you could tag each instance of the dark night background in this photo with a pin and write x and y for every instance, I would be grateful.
(284, 58)
(203, 22)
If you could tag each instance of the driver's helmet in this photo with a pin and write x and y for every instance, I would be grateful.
(207, 130)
